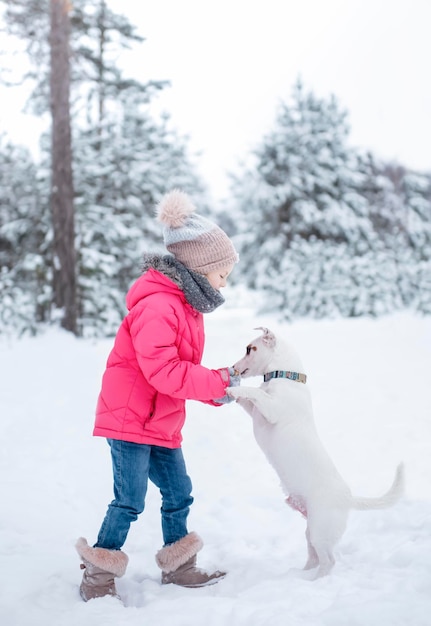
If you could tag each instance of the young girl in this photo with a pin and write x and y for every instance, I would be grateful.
(152, 369)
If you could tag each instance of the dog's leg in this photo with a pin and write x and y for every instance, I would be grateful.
(247, 405)
(325, 528)
(326, 562)
(313, 559)
(319, 555)
(259, 398)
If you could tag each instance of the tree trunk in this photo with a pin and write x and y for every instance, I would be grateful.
(62, 208)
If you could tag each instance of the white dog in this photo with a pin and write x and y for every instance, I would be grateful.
(284, 428)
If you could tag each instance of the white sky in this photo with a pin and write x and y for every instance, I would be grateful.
(231, 61)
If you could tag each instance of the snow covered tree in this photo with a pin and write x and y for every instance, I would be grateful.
(324, 229)
(306, 215)
(122, 169)
(97, 35)
(400, 209)
(123, 159)
(46, 27)
(417, 274)
(25, 236)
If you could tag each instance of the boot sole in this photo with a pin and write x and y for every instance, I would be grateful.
(212, 581)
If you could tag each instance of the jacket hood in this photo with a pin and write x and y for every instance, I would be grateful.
(165, 280)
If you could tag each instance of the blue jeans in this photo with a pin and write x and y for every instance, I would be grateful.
(133, 464)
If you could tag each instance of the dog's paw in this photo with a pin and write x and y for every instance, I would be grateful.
(233, 392)
(301, 574)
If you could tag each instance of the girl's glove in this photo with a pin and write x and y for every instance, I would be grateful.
(234, 377)
(234, 381)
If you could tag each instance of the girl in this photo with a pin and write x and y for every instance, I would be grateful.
(154, 366)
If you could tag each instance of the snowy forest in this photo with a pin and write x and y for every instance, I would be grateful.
(323, 229)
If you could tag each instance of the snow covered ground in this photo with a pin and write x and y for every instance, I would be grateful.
(370, 382)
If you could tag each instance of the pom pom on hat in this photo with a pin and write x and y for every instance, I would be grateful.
(174, 208)
(194, 240)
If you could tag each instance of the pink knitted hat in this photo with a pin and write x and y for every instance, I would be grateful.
(194, 240)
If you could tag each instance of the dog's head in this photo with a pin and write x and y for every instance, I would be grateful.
(258, 355)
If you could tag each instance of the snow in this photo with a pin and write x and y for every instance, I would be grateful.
(369, 380)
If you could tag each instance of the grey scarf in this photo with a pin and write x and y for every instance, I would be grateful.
(196, 288)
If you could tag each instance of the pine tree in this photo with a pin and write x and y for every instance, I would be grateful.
(122, 169)
(123, 159)
(309, 217)
(417, 282)
(96, 37)
(25, 236)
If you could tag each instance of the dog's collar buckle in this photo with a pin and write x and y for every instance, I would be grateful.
(296, 376)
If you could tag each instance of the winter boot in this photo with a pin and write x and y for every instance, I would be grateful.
(178, 564)
(100, 567)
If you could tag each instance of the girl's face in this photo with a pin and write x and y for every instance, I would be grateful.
(218, 278)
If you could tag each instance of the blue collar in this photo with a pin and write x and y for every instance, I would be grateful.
(299, 378)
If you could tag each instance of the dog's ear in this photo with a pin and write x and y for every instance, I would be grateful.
(268, 336)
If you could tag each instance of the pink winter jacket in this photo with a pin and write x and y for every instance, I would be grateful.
(154, 367)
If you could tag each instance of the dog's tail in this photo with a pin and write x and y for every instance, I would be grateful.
(388, 499)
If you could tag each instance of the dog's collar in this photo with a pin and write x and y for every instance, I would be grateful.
(299, 378)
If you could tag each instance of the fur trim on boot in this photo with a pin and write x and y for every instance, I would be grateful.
(113, 561)
(171, 557)
(100, 566)
(178, 564)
